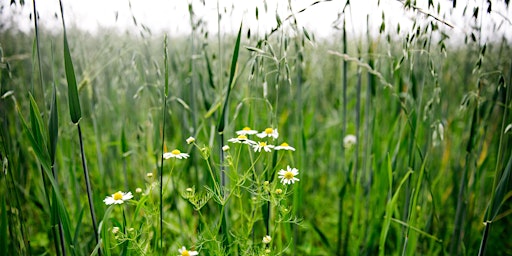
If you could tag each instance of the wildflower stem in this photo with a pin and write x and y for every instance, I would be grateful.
(88, 187)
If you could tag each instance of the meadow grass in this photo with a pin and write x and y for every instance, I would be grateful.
(400, 144)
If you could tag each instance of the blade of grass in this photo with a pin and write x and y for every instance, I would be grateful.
(232, 81)
(74, 100)
(390, 206)
(3, 229)
(161, 170)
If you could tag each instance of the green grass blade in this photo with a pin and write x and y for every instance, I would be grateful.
(391, 205)
(74, 100)
(501, 191)
(166, 65)
(209, 69)
(3, 228)
(234, 64)
(40, 151)
(53, 126)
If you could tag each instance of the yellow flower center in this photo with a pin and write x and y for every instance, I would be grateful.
(118, 196)
(185, 253)
(269, 131)
(289, 175)
(246, 128)
(242, 137)
(263, 144)
(175, 152)
(284, 144)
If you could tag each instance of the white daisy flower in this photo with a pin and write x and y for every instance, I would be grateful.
(284, 146)
(175, 154)
(225, 148)
(269, 132)
(184, 252)
(242, 139)
(118, 198)
(349, 141)
(267, 239)
(264, 146)
(288, 176)
(246, 131)
(190, 140)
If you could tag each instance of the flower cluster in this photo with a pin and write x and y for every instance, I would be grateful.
(258, 146)
(288, 176)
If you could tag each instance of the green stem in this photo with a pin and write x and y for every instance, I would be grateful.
(161, 179)
(88, 187)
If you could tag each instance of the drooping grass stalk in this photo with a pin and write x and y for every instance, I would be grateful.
(76, 115)
(160, 175)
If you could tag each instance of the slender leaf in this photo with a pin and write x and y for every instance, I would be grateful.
(53, 127)
(501, 190)
(234, 63)
(391, 205)
(41, 152)
(74, 100)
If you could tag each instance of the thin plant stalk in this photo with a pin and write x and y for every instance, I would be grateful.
(343, 133)
(76, 114)
(88, 187)
(166, 90)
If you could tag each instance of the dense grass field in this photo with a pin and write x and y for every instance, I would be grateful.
(397, 143)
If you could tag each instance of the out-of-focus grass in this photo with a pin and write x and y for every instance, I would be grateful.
(411, 185)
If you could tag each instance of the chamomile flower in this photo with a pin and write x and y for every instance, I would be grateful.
(267, 239)
(184, 252)
(225, 148)
(264, 146)
(190, 140)
(175, 154)
(269, 132)
(118, 198)
(349, 141)
(246, 131)
(288, 176)
(242, 139)
(284, 146)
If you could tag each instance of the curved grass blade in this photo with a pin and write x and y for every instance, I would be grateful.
(391, 205)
